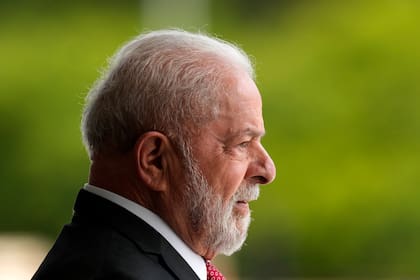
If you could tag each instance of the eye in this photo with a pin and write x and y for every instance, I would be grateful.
(244, 144)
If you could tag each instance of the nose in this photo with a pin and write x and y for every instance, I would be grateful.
(262, 169)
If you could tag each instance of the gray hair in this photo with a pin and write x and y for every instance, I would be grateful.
(165, 81)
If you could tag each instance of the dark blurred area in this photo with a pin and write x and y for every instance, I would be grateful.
(341, 90)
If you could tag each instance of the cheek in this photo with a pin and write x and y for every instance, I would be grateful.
(229, 179)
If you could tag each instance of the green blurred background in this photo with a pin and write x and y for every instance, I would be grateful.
(341, 88)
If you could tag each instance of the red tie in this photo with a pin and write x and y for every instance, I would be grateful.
(213, 273)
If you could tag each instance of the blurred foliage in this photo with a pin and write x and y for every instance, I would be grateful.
(341, 92)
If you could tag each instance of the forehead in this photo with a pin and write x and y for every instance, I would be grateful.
(242, 96)
(240, 108)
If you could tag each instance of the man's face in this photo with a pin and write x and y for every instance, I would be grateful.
(229, 164)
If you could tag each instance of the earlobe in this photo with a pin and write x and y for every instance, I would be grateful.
(152, 156)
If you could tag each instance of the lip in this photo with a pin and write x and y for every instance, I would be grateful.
(242, 207)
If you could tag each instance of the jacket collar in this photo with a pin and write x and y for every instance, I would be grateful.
(99, 210)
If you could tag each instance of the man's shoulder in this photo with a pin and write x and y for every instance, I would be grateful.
(94, 251)
(105, 241)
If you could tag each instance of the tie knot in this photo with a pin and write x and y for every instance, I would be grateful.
(213, 273)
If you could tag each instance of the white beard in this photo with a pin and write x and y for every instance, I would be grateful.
(225, 231)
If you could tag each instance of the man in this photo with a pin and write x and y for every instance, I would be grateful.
(173, 130)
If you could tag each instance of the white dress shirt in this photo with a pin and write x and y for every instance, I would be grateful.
(195, 261)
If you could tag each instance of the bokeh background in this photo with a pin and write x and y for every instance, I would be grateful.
(341, 88)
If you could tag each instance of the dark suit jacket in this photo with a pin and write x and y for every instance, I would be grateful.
(105, 241)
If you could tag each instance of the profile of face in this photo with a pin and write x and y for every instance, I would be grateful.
(225, 168)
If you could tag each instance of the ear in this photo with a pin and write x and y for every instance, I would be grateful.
(154, 154)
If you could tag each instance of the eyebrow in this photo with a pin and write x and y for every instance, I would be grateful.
(248, 132)
(253, 132)
(243, 132)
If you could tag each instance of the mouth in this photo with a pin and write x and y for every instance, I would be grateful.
(242, 198)
(242, 201)
(242, 207)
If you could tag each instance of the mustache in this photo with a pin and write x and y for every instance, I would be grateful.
(247, 192)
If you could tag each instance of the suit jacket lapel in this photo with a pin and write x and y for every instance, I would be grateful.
(176, 263)
(147, 239)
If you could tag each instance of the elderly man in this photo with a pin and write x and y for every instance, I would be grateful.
(173, 130)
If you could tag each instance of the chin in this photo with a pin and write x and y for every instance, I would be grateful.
(237, 236)
(243, 223)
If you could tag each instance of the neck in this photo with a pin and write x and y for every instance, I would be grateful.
(117, 173)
